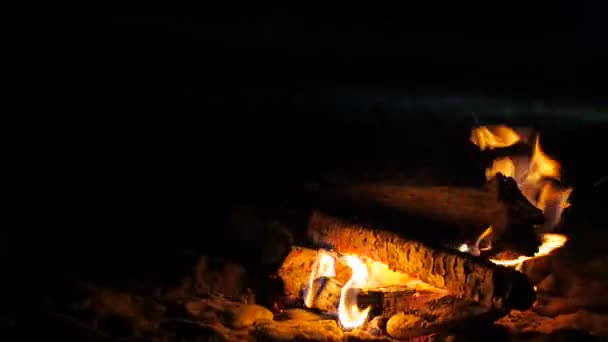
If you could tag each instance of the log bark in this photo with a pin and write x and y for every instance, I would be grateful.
(451, 213)
(473, 278)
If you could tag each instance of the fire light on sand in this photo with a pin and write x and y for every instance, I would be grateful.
(537, 177)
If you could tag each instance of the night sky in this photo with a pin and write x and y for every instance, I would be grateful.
(158, 114)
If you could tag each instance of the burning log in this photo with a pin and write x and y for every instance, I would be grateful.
(450, 212)
(473, 278)
(295, 272)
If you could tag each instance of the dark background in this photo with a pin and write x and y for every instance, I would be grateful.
(131, 127)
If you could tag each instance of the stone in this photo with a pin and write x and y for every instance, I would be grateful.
(294, 330)
(405, 326)
(302, 315)
(218, 276)
(377, 326)
(246, 315)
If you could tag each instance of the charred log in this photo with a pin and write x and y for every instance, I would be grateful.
(390, 301)
(473, 278)
(426, 213)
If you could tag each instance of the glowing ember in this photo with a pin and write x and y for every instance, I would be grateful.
(348, 311)
(490, 137)
(550, 243)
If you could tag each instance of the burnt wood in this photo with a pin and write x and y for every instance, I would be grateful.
(295, 274)
(433, 213)
(473, 278)
(392, 300)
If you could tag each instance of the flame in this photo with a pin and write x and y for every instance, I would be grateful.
(491, 137)
(552, 201)
(366, 274)
(503, 165)
(541, 165)
(348, 311)
(534, 175)
(477, 249)
(324, 266)
(550, 243)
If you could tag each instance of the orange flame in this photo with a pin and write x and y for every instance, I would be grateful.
(476, 249)
(348, 311)
(535, 178)
(533, 174)
(541, 165)
(491, 137)
(550, 243)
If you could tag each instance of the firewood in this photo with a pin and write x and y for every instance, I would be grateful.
(295, 274)
(392, 300)
(446, 212)
(473, 278)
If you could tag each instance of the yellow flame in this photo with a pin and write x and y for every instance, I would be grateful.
(533, 175)
(503, 165)
(324, 266)
(541, 166)
(490, 137)
(476, 248)
(552, 201)
(550, 243)
(348, 311)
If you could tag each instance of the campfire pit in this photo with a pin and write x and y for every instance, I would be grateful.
(439, 288)
(368, 272)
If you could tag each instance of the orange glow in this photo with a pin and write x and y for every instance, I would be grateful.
(491, 137)
(550, 243)
(349, 313)
(503, 165)
(324, 266)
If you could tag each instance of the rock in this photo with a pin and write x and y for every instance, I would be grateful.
(218, 276)
(302, 315)
(377, 326)
(246, 315)
(538, 269)
(293, 330)
(405, 326)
